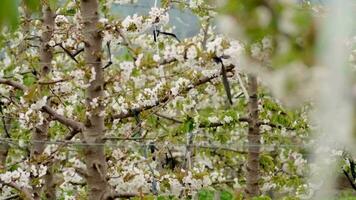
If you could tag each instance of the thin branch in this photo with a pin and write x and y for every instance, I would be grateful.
(224, 79)
(24, 191)
(52, 82)
(12, 83)
(71, 135)
(109, 55)
(275, 125)
(20, 73)
(81, 172)
(78, 52)
(212, 125)
(62, 119)
(168, 96)
(215, 148)
(127, 138)
(123, 195)
(245, 92)
(70, 54)
(4, 122)
(350, 179)
(169, 118)
(15, 196)
(157, 32)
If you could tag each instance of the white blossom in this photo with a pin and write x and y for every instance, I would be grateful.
(39, 104)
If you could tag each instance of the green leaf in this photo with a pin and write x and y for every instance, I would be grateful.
(266, 162)
(29, 80)
(205, 194)
(9, 15)
(52, 4)
(188, 125)
(225, 195)
(261, 198)
(33, 5)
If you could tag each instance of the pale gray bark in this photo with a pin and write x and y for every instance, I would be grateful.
(41, 131)
(252, 177)
(94, 131)
(4, 147)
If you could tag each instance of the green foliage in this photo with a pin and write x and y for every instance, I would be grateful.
(205, 194)
(280, 21)
(261, 198)
(225, 195)
(267, 163)
(52, 4)
(167, 198)
(9, 14)
(33, 5)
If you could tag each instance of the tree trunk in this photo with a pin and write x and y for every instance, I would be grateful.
(94, 130)
(4, 147)
(41, 131)
(252, 187)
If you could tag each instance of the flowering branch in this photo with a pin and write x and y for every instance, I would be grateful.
(167, 97)
(24, 191)
(12, 83)
(60, 118)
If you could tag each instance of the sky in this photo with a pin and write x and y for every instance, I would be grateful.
(187, 25)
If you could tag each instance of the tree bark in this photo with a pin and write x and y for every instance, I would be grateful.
(94, 128)
(41, 131)
(252, 187)
(4, 147)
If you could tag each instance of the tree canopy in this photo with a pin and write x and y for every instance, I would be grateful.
(96, 104)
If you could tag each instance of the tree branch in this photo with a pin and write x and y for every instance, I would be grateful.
(60, 118)
(166, 98)
(350, 180)
(12, 83)
(123, 195)
(26, 192)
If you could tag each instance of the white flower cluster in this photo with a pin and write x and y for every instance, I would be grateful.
(126, 68)
(149, 97)
(119, 105)
(120, 2)
(181, 82)
(293, 159)
(61, 19)
(213, 119)
(261, 51)
(31, 117)
(226, 120)
(139, 24)
(39, 104)
(173, 52)
(70, 175)
(233, 54)
(192, 53)
(195, 3)
(77, 163)
(109, 3)
(19, 176)
(215, 46)
(158, 16)
(134, 23)
(38, 171)
(131, 179)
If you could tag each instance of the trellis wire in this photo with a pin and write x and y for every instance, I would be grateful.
(140, 141)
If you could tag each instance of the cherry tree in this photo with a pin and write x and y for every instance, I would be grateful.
(100, 106)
